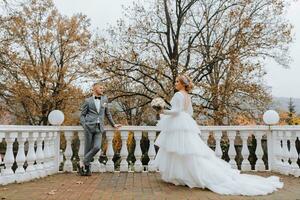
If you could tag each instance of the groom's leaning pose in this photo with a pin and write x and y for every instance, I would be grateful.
(92, 120)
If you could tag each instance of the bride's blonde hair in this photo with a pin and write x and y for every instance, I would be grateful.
(186, 81)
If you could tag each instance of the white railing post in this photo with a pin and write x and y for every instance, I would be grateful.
(56, 151)
(231, 151)
(293, 154)
(218, 150)
(259, 166)
(68, 166)
(31, 156)
(40, 155)
(138, 166)
(151, 152)
(47, 153)
(204, 136)
(285, 157)
(110, 166)
(277, 152)
(8, 174)
(280, 152)
(81, 146)
(271, 148)
(21, 158)
(124, 152)
(245, 152)
(95, 165)
(53, 153)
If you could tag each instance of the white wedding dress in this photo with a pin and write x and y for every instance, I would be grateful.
(184, 159)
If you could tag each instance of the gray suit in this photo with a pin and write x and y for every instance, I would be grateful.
(93, 130)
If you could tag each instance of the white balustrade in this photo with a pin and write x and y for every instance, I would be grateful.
(47, 153)
(95, 165)
(293, 154)
(8, 174)
(218, 150)
(245, 151)
(259, 166)
(43, 154)
(285, 156)
(278, 151)
(124, 152)
(151, 152)
(110, 166)
(68, 166)
(40, 155)
(231, 151)
(138, 166)
(81, 146)
(204, 135)
(21, 158)
(31, 156)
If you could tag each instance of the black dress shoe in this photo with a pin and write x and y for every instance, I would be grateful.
(80, 170)
(88, 171)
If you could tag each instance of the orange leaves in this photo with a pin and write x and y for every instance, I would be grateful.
(44, 57)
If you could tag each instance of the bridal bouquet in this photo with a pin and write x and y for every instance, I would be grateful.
(158, 103)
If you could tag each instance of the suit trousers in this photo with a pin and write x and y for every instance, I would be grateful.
(93, 138)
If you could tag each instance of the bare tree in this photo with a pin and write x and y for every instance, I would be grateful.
(208, 40)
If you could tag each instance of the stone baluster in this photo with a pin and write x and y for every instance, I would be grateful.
(245, 152)
(285, 155)
(81, 146)
(204, 136)
(110, 166)
(31, 157)
(259, 166)
(21, 158)
(47, 153)
(138, 166)
(124, 152)
(95, 165)
(231, 151)
(218, 150)
(280, 152)
(277, 150)
(8, 174)
(53, 150)
(294, 168)
(68, 166)
(151, 152)
(40, 155)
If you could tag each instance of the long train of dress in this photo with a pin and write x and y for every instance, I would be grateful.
(184, 159)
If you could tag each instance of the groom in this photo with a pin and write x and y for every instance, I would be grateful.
(92, 120)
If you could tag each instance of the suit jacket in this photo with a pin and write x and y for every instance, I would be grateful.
(89, 114)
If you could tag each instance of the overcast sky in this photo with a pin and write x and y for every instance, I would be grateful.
(284, 82)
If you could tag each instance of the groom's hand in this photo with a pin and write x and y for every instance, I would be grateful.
(117, 126)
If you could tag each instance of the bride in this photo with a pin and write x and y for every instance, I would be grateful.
(184, 159)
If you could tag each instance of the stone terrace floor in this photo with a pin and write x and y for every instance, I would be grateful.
(140, 186)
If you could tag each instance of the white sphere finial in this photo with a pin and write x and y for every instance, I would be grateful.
(56, 117)
(271, 117)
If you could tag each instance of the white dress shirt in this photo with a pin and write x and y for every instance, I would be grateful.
(97, 104)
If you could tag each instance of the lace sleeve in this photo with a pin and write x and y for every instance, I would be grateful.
(176, 105)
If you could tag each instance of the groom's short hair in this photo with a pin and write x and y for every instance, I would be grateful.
(97, 83)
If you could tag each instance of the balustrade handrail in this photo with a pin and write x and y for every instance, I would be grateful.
(24, 128)
(45, 157)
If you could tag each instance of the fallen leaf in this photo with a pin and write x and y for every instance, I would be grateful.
(52, 192)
